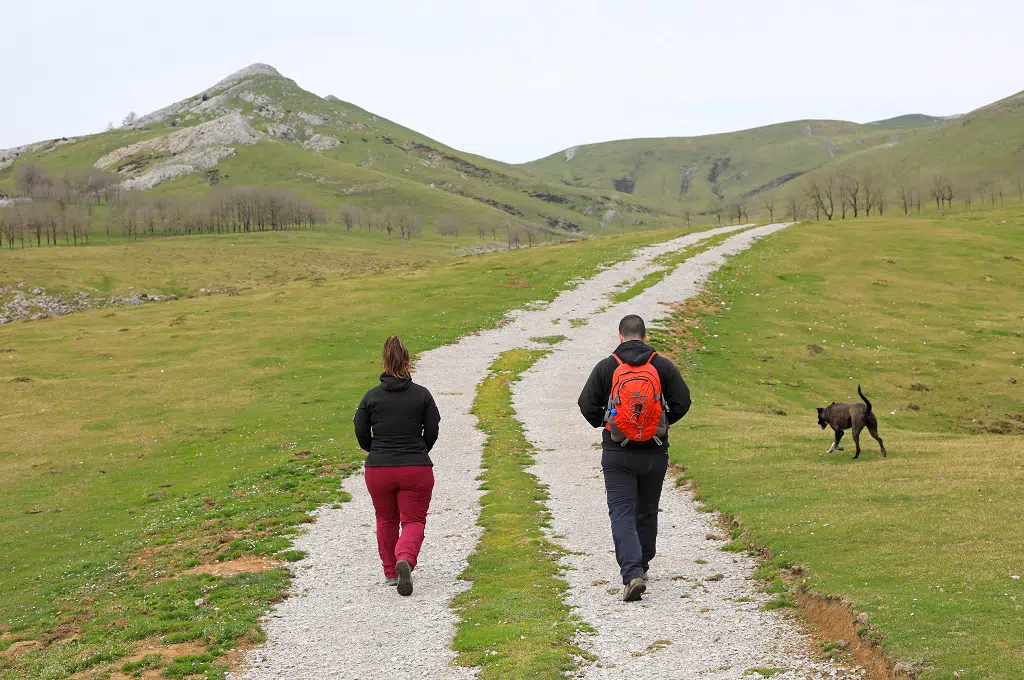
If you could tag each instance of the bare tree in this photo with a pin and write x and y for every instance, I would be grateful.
(879, 199)
(937, 191)
(408, 222)
(448, 225)
(6, 226)
(867, 181)
(349, 215)
(513, 236)
(734, 213)
(686, 216)
(33, 182)
(950, 192)
(130, 119)
(850, 193)
(823, 197)
(907, 198)
(793, 206)
(769, 205)
(386, 221)
(942, 190)
(12, 227)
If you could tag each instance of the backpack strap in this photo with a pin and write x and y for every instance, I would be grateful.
(616, 357)
(661, 397)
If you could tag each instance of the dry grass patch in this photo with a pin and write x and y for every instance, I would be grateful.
(241, 565)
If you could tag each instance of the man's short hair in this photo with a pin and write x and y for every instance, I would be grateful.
(632, 327)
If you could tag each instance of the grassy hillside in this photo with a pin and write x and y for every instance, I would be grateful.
(907, 122)
(325, 148)
(982, 152)
(335, 152)
(927, 541)
(700, 172)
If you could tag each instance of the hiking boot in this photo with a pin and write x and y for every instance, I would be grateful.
(633, 590)
(391, 580)
(404, 578)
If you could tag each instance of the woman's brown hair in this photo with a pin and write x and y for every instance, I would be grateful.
(395, 357)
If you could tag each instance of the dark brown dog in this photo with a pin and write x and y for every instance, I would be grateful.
(843, 417)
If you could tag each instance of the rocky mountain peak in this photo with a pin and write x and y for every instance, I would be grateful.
(247, 72)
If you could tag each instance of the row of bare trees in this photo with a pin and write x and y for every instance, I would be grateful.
(72, 207)
(847, 194)
(391, 220)
(401, 220)
(851, 194)
(133, 214)
(65, 209)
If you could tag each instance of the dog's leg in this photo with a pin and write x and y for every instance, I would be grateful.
(856, 438)
(873, 431)
(835, 445)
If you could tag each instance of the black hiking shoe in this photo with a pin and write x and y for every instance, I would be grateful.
(404, 578)
(633, 590)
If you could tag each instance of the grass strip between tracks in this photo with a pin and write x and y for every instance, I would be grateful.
(667, 264)
(514, 622)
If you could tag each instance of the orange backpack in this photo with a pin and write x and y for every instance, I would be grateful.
(636, 407)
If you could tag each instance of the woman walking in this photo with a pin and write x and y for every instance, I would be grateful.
(396, 423)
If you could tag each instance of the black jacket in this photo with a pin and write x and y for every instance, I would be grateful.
(396, 422)
(594, 398)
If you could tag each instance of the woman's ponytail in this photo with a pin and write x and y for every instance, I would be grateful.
(395, 357)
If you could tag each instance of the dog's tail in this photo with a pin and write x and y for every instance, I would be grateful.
(864, 398)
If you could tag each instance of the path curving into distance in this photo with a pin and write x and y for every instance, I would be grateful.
(709, 634)
(340, 622)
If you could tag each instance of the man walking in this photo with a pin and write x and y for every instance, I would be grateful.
(635, 394)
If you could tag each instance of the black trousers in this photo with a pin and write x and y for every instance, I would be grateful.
(633, 482)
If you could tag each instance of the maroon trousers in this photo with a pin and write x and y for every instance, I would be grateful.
(401, 496)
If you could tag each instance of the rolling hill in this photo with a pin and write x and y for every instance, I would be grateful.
(980, 150)
(258, 128)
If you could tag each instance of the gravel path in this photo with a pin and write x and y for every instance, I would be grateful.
(334, 626)
(711, 633)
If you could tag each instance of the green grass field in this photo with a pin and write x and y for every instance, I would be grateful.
(140, 443)
(925, 314)
(136, 443)
(183, 265)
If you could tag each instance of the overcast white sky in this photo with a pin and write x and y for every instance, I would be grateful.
(520, 79)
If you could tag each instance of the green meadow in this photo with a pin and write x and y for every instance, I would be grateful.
(137, 443)
(139, 446)
(927, 315)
